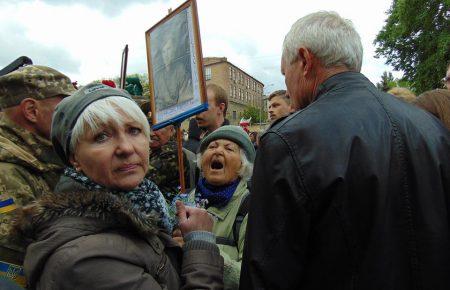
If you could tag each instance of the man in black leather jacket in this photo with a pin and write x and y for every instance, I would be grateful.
(351, 191)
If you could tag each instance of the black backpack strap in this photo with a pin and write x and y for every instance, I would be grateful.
(242, 212)
(225, 241)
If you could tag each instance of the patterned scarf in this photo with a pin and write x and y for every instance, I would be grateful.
(146, 197)
(211, 195)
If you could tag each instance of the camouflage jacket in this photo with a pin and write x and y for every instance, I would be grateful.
(28, 169)
(163, 170)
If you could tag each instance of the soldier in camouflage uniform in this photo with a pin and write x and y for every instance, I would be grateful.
(163, 169)
(28, 165)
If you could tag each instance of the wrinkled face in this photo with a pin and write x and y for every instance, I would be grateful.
(221, 162)
(297, 86)
(208, 119)
(161, 137)
(44, 113)
(278, 107)
(116, 156)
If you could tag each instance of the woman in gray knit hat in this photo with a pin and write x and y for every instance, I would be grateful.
(226, 162)
(106, 226)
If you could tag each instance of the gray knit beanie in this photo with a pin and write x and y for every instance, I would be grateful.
(232, 133)
(69, 109)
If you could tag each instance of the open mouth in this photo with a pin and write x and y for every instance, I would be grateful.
(216, 165)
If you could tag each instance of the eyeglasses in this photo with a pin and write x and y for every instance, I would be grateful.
(446, 79)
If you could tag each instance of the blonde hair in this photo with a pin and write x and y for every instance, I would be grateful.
(103, 111)
(437, 102)
(403, 94)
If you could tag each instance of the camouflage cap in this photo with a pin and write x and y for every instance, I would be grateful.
(33, 81)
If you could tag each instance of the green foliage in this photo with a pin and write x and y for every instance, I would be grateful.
(388, 82)
(254, 113)
(416, 40)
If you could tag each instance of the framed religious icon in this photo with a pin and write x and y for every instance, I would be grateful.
(175, 67)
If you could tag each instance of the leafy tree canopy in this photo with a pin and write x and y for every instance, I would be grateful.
(416, 40)
(388, 82)
(254, 113)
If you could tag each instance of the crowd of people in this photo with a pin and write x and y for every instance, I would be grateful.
(348, 188)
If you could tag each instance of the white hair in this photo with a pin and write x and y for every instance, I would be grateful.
(103, 111)
(246, 170)
(331, 38)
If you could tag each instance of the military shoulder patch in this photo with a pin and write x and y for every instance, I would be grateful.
(6, 203)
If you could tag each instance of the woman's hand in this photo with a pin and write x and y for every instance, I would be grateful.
(193, 219)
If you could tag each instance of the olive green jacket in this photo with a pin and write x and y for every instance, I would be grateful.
(224, 218)
(28, 168)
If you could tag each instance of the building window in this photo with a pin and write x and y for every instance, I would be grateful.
(231, 72)
(231, 91)
(208, 73)
(234, 115)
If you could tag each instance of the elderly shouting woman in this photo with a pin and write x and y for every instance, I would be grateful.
(226, 162)
(105, 227)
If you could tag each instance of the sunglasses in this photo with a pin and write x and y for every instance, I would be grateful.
(446, 79)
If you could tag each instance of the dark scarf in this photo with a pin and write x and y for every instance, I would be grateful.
(212, 195)
(146, 197)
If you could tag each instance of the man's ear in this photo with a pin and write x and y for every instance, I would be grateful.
(29, 108)
(307, 59)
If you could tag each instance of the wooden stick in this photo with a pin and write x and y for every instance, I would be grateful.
(180, 157)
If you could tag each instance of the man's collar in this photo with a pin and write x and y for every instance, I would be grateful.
(336, 81)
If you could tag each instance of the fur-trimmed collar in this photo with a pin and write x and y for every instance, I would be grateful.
(96, 205)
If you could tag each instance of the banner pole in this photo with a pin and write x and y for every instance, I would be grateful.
(180, 156)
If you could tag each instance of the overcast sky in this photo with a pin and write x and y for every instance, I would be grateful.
(85, 38)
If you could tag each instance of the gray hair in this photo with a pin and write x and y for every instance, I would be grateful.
(246, 170)
(103, 111)
(331, 38)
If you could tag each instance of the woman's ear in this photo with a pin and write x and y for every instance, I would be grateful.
(74, 162)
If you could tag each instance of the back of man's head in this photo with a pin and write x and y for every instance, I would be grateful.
(220, 96)
(34, 81)
(331, 38)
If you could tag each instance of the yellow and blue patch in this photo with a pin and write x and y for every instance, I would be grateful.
(13, 272)
(6, 204)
